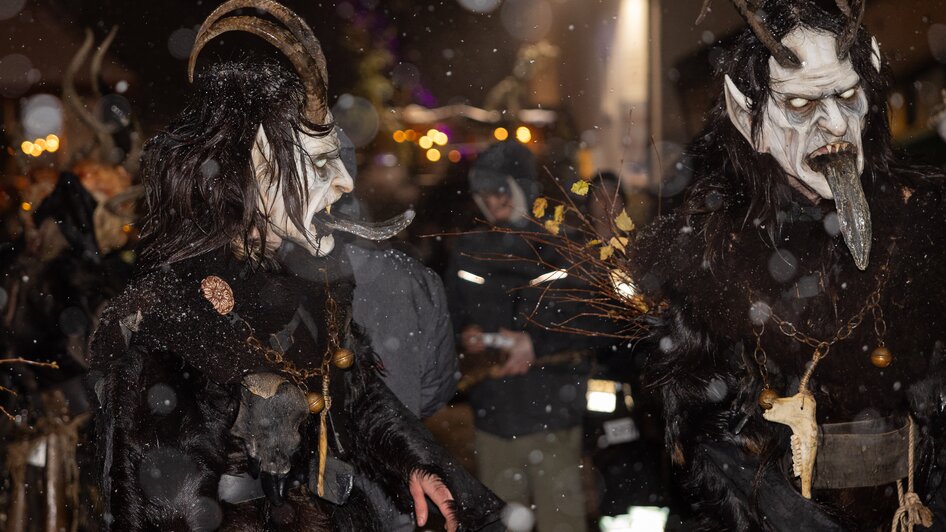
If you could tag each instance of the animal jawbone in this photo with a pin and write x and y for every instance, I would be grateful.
(798, 412)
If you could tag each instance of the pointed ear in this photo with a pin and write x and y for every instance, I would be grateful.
(737, 107)
(875, 53)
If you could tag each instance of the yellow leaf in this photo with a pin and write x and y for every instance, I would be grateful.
(559, 213)
(592, 243)
(552, 226)
(538, 207)
(618, 243)
(580, 187)
(606, 252)
(624, 222)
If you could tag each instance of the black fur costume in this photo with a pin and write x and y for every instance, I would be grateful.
(160, 467)
(715, 257)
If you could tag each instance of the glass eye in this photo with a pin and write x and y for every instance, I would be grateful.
(320, 163)
(798, 103)
(848, 94)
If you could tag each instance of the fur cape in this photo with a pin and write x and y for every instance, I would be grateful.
(160, 468)
(711, 266)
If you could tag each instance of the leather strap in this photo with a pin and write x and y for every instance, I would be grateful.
(862, 453)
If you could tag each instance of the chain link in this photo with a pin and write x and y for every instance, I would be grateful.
(823, 347)
(298, 375)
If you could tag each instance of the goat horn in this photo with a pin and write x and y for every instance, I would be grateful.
(780, 52)
(95, 68)
(855, 14)
(102, 134)
(299, 44)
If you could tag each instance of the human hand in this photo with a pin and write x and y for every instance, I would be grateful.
(422, 485)
(521, 354)
(471, 340)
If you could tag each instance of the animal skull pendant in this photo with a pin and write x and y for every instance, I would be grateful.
(798, 412)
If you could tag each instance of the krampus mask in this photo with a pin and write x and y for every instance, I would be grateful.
(812, 120)
(299, 174)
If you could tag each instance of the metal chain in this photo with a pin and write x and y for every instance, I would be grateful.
(275, 357)
(760, 357)
(823, 347)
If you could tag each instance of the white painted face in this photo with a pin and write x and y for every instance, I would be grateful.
(813, 110)
(325, 179)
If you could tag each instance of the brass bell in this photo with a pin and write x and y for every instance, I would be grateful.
(881, 357)
(343, 358)
(316, 402)
(767, 398)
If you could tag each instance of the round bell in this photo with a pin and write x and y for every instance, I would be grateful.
(881, 357)
(767, 398)
(343, 358)
(316, 402)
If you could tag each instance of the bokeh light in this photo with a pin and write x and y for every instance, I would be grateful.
(433, 155)
(425, 142)
(441, 138)
(16, 75)
(480, 6)
(181, 41)
(523, 134)
(52, 143)
(27, 146)
(399, 136)
(42, 114)
(527, 20)
(358, 117)
(501, 133)
(9, 8)
(454, 156)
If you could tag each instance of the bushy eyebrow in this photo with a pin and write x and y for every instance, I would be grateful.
(334, 154)
(788, 95)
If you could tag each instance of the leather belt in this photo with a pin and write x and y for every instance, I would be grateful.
(862, 453)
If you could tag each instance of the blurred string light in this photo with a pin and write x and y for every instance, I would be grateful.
(501, 133)
(428, 142)
(26, 206)
(523, 134)
(36, 147)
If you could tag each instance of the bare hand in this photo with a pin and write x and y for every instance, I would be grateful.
(430, 485)
(521, 354)
(471, 340)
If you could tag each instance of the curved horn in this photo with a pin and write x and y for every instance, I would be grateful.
(102, 135)
(780, 52)
(299, 44)
(855, 14)
(95, 67)
(300, 30)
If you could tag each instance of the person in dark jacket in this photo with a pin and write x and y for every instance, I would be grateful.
(528, 415)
